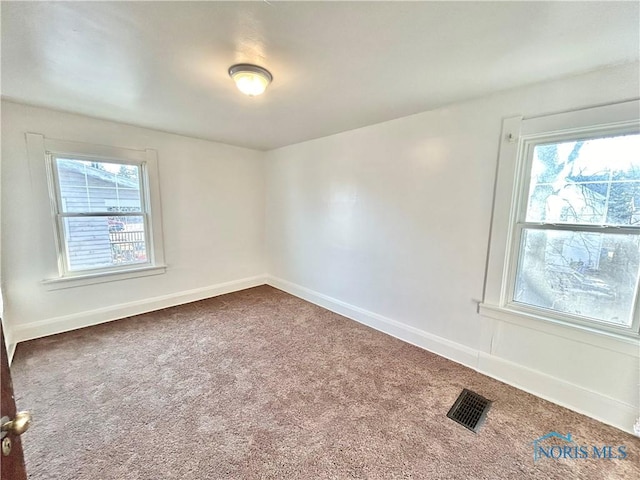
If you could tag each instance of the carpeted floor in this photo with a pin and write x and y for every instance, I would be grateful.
(260, 384)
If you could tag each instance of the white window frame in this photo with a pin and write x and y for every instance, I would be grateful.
(519, 137)
(60, 215)
(42, 153)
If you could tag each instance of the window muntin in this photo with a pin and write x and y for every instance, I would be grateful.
(578, 233)
(102, 218)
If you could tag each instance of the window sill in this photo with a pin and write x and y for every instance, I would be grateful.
(627, 344)
(103, 277)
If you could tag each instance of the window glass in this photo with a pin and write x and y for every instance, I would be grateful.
(88, 192)
(574, 256)
(593, 275)
(594, 181)
(98, 186)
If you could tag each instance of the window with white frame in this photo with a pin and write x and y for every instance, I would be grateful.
(102, 217)
(105, 206)
(571, 250)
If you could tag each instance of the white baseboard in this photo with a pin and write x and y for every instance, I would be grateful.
(593, 404)
(52, 326)
(10, 344)
(11, 351)
(574, 397)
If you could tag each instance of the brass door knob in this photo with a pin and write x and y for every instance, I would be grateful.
(18, 425)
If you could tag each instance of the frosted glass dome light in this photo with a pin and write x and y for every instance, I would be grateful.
(250, 79)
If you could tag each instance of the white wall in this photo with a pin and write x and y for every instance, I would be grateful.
(389, 224)
(213, 218)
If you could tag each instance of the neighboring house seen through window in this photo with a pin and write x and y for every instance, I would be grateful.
(101, 213)
(572, 239)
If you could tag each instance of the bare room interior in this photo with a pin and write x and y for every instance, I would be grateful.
(298, 240)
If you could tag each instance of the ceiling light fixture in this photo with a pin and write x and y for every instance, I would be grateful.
(250, 79)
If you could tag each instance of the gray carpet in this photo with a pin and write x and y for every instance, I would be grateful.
(260, 384)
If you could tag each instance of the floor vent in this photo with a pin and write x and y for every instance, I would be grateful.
(469, 410)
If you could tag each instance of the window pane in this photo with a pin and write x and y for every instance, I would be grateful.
(98, 186)
(594, 181)
(99, 242)
(589, 274)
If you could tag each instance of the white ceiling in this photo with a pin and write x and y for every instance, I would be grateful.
(336, 65)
